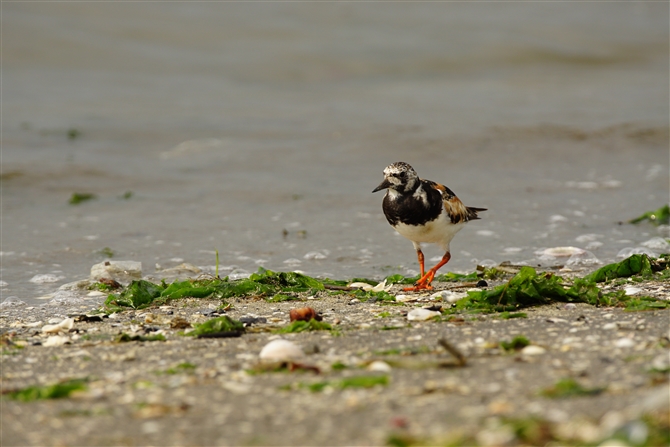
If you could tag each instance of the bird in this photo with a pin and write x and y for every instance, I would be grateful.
(423, 211)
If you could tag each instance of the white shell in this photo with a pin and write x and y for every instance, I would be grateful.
(379, 366)
(281, 350)
(421, 314)
(449, 296)
(561, 251)
(632, 290)
(533, 350)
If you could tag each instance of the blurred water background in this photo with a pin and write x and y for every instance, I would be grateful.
(259, 130)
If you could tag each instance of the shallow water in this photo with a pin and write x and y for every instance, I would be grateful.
(259, 130)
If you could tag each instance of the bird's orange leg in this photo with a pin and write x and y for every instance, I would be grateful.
(419, 255)
(422, 266)
(424, 282)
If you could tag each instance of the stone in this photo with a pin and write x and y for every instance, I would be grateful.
(121, 271)
(624, 343)
(12, 301)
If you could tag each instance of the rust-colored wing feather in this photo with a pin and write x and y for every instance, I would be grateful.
(455, 209)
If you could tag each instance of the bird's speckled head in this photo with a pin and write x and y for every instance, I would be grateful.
(400, 177)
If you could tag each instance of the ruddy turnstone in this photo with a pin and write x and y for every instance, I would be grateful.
(423, 211)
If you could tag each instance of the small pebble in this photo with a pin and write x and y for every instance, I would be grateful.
(624, 343)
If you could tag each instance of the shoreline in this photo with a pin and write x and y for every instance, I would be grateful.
(217, 391)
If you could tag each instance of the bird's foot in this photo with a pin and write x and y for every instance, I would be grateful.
(422, 284)
(418, 288)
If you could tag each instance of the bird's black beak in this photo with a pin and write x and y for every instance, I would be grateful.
(383, 185)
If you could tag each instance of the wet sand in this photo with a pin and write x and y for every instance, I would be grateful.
(186, 391)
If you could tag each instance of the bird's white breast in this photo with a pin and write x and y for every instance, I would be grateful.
(439, 231)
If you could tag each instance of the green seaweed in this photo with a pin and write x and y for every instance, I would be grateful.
(305, 326)
(530, 288)
(124, 338)
(643, 303)
(657, 217)
(73, 134)
(457, 277)
(527, 288)
(139, 294)
(56, 391)
(633, 265)
(338, 366)
(185, 367)
(569, 387)
(79, 197)
(347, 382)
(519, 342)
(217, 325)
(399, 279)
(511, 315)
(445, 277)
(278, 298)
(108, 252)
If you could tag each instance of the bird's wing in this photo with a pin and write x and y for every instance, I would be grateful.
(453, 206)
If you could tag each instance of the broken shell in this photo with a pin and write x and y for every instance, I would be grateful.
(281, 350)
(381, 287)
(63, 326)
(304, 314)
(56, 340)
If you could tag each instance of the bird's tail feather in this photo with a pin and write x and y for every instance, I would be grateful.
(472, 212)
